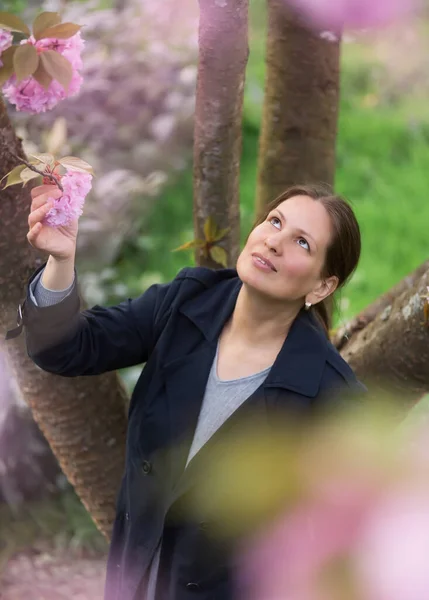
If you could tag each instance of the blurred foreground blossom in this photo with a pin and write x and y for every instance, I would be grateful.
(337, 14)
(29, 95)
(360, 527)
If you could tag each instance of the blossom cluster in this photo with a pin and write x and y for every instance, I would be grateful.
(5, 41)
(69, 206)
(29, 95)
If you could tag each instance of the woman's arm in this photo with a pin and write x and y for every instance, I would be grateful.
(63, 340)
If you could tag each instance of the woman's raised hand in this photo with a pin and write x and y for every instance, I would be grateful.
(59, 242)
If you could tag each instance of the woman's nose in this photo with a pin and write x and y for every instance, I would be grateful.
(272, 244)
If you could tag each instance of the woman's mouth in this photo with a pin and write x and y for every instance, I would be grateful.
(262, 263)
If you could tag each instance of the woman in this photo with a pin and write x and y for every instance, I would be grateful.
(217, 345)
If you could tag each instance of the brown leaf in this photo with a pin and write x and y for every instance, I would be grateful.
(44, 21)
(219, 255)
(45, 158)
(75, 164)
(189, 245)
(57, 67)
(13, 23)
(5, 73)
(13, 176)
(25, 61)
(62, 31)
(41, 76)
(27, 174)
(7, 56)
(210, 229)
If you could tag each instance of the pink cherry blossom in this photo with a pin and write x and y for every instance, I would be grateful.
(28, 95)
(69, 206)
(337, 14)
(391, 556)
(5, 40)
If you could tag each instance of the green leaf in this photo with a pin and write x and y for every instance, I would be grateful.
(13, 176)
(41, 76)
(44, 21)
(57, 136)
(62, 31)
(221, 233)
(44, 158)
(76, 164)
(57, 67)
(190, 245)
(210, 229)
(25, 61)
(219, 255)
(13, 23)
(27, 174)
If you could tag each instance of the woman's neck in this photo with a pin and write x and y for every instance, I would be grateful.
(258, 319)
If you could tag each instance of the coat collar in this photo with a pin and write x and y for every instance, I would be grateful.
(301, 361)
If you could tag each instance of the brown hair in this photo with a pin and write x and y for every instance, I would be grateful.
(343, 254)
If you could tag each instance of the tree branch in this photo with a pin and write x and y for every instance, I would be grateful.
(36, 170)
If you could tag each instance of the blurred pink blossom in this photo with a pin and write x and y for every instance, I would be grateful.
(70, 205)
(392, 554)
(5, 40)
(28, 95)
(357, 532)
(337, 14)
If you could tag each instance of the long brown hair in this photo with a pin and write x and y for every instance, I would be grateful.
(343, 253)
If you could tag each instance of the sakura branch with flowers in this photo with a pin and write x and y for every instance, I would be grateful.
(36, 73)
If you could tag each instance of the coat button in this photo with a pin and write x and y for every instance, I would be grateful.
(192, 586)
(146, 467)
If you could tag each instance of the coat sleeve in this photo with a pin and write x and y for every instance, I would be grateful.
(63, 340)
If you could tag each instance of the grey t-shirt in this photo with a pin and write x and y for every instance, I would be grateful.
(221, 400)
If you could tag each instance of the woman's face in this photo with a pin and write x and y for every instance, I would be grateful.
(284, 256)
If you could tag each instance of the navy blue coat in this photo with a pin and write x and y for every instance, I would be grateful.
(174, 329)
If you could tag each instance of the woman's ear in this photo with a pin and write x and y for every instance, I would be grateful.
(324, 289)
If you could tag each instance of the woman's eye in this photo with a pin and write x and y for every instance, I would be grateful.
(305, 244)
(276, 222)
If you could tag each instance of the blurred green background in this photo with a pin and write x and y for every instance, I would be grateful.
(382, 158)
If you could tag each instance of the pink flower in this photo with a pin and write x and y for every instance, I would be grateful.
(393, 552)
(336, 14)
(5, 40)
(69, 206)
(28, 95)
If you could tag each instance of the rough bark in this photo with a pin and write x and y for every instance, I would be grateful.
(344, 333)
(83, 419)
(300, 111)
(223, 53)
(391, 354)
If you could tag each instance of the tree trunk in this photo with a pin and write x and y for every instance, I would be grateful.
(391, 354)
(300, 112)
(223, 53)
(83, 419)
(344, 333)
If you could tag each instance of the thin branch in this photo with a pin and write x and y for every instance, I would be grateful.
(42, 173)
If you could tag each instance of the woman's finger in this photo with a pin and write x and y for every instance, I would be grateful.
(42, 189)
(33, 233)
(42, 199)
(37, 215)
